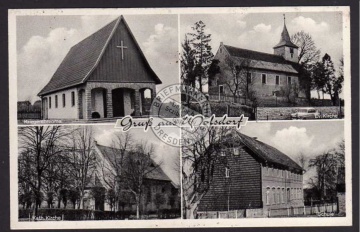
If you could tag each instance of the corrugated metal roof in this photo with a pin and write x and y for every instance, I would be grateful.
(83, 58)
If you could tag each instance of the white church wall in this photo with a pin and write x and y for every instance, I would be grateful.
(98, 101)
(127, 103)
(60, 112)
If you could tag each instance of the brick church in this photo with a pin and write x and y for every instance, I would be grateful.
(266, 73)
(250, 174)
(106, 75)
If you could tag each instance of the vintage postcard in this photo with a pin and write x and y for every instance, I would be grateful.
(180, 117)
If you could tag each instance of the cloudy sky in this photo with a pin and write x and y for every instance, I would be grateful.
(43, 41)
(168, 156)
(295, 137)
(261, 31)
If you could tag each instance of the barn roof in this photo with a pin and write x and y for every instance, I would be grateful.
(112, 154)
(268, 153)
(261, 60)
(84, 57)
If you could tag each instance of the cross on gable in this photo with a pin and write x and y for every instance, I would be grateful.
(122, 49)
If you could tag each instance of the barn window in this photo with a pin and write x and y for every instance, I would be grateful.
(56, 101)
(73, 98)
(277, 80)
(227, 172)
(289, 80)
(63, 100)
(236, 151)
(221, 89)
(222, 153)
(249, 79)
(263, 78)
(49, 102)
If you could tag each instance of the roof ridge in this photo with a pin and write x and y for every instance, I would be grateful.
(105, 46)
(254, 51)
(271, 147)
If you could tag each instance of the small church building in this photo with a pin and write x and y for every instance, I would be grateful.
(104, 76)
(251, 175)
(267, 74)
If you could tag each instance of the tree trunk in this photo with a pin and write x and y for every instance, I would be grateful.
(190, 210)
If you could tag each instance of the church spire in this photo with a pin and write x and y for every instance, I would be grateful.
(285, 38)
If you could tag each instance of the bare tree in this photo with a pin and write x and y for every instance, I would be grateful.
(82, 159)
(198, 165)
(111, 169)
(138, 165)
(308, 56)
(326, 169)
(41, 144)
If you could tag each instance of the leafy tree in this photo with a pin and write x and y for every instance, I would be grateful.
(199, 41)
(326, 80)
(187, 62)
(74, 196)
(63, 196)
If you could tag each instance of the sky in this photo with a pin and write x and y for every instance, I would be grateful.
(167, 155)
(295, 137)
(262, 31)
(43, 41)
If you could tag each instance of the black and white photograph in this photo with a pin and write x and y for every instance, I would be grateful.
(79, 69)
(73, 173)
(266, 170)
(180, 117)
(268, 66)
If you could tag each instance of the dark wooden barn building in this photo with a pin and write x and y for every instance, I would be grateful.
(250, 174)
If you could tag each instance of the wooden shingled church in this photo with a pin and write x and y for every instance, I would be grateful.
(106, 75)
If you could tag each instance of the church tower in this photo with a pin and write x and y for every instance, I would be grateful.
(285, 47)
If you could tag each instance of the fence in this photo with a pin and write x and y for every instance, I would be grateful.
(229, 98)
(272, 101)
(304, 210)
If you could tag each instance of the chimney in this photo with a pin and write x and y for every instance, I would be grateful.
(255, 138)
(221, 43)
(95, 142)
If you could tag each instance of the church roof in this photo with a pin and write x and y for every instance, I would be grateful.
(285, 39)
(268, 153)
(112, 154)
(261, 60)
(84, 57)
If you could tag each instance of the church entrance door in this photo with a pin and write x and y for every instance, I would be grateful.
(118, 102)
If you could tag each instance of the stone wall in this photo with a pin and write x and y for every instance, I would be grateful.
(283, 113)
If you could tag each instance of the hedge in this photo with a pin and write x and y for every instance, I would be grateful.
(83, 214)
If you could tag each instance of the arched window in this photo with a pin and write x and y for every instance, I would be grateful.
(278, 195)
(273, 191)
(267, 196)
(282, 195)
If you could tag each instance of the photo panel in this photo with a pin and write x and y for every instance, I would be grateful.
(180, 117)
